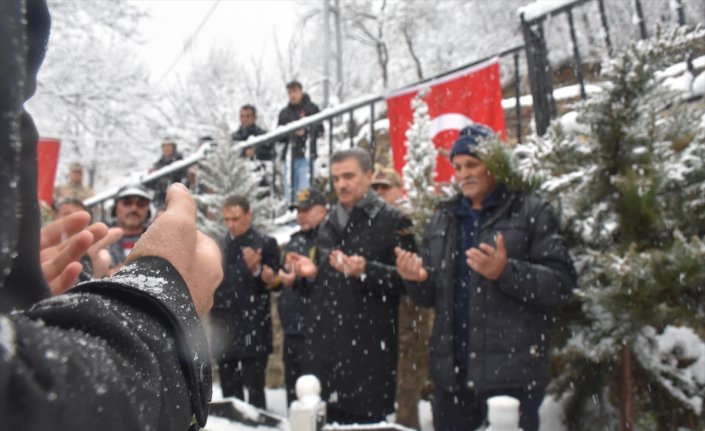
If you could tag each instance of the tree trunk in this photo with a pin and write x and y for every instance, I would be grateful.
(626, 410)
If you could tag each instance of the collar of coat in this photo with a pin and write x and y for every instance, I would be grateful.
(504, 199)
(370, 204)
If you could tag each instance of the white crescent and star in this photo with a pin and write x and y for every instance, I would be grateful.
(450, 121)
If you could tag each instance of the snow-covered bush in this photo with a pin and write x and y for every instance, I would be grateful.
(420, 165)
(628, 188)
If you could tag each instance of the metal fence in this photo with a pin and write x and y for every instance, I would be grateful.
(539, 68)
(539, 74)
(343, 114)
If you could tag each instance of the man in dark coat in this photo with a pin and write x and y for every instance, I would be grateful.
(351, 338)
(262, 154)
(493, 263)
(248, 127)
(241, 311)
(170, 154)
(300, 106)
(311, 209)
(126, 353)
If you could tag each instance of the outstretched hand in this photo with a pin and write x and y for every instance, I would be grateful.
(100, 258)
(410, 266)
(488, 261)
(62, 243)
(287, 277)
(174, 237)
(350, 266)
(301, 265)
(252, 258)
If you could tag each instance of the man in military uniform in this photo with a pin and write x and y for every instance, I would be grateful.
(311, 210)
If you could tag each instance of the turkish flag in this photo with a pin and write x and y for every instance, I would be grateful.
(472, 95)
(47, 159)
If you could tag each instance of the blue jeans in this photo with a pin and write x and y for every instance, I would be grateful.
(301, 180)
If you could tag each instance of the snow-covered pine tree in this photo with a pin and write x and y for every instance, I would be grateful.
(420, 165)
(224, 172)
(630, 196)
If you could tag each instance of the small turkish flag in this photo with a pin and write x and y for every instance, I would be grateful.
(472, 95)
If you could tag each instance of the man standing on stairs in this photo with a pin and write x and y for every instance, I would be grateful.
(300, 106)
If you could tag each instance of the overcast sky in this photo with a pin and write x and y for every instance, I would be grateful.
(246, 27)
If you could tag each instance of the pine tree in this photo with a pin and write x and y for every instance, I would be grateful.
(224, 172)
(630, 197)
(420, 165)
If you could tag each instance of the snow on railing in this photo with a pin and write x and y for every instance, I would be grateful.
(275, 134)
(542, 8)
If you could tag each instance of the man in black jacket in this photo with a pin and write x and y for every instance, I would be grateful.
(311, 210)
(241, 311)
(351, 338)
(300, 106)
(248, 127)
(126, 353)
(170, 154)
(493, 263)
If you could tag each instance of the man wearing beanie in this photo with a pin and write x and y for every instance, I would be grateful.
(493, 265)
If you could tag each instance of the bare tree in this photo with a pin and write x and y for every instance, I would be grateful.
(92, 92)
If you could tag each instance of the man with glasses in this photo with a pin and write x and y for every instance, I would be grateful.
(131, 213)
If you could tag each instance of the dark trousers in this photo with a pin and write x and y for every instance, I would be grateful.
(466, 410)
(237, 374)
(293, 355)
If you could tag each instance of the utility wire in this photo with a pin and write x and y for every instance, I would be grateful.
(190, 40)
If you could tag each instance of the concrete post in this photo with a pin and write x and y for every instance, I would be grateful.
(308, 413)
(503, 413)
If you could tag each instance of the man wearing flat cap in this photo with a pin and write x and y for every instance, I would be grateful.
(493, 265)
(310, 206)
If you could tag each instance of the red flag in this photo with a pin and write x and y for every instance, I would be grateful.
(472, 95)
(48, 157)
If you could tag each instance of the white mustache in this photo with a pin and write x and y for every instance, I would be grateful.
(468, 181)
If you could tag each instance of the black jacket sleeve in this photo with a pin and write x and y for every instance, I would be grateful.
(547, 277)
(271, 255)
(127, 353)
(316, 129)
(383, 276)
(424, 293)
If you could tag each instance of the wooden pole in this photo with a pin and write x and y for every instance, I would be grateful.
(626, 408)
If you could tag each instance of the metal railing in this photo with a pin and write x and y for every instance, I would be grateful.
(328, 117)
(539, 69)
(540, 80)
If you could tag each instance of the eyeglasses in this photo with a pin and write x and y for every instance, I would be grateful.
(139, 202)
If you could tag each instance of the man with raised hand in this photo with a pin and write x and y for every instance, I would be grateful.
(492, 264)
(242, 312)
(351, 338)
(294, 301)
(126, 353)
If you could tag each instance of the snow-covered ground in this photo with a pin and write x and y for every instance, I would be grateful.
(550, 413)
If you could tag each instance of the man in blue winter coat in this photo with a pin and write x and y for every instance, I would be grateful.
(492, 264)
(241, 309)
